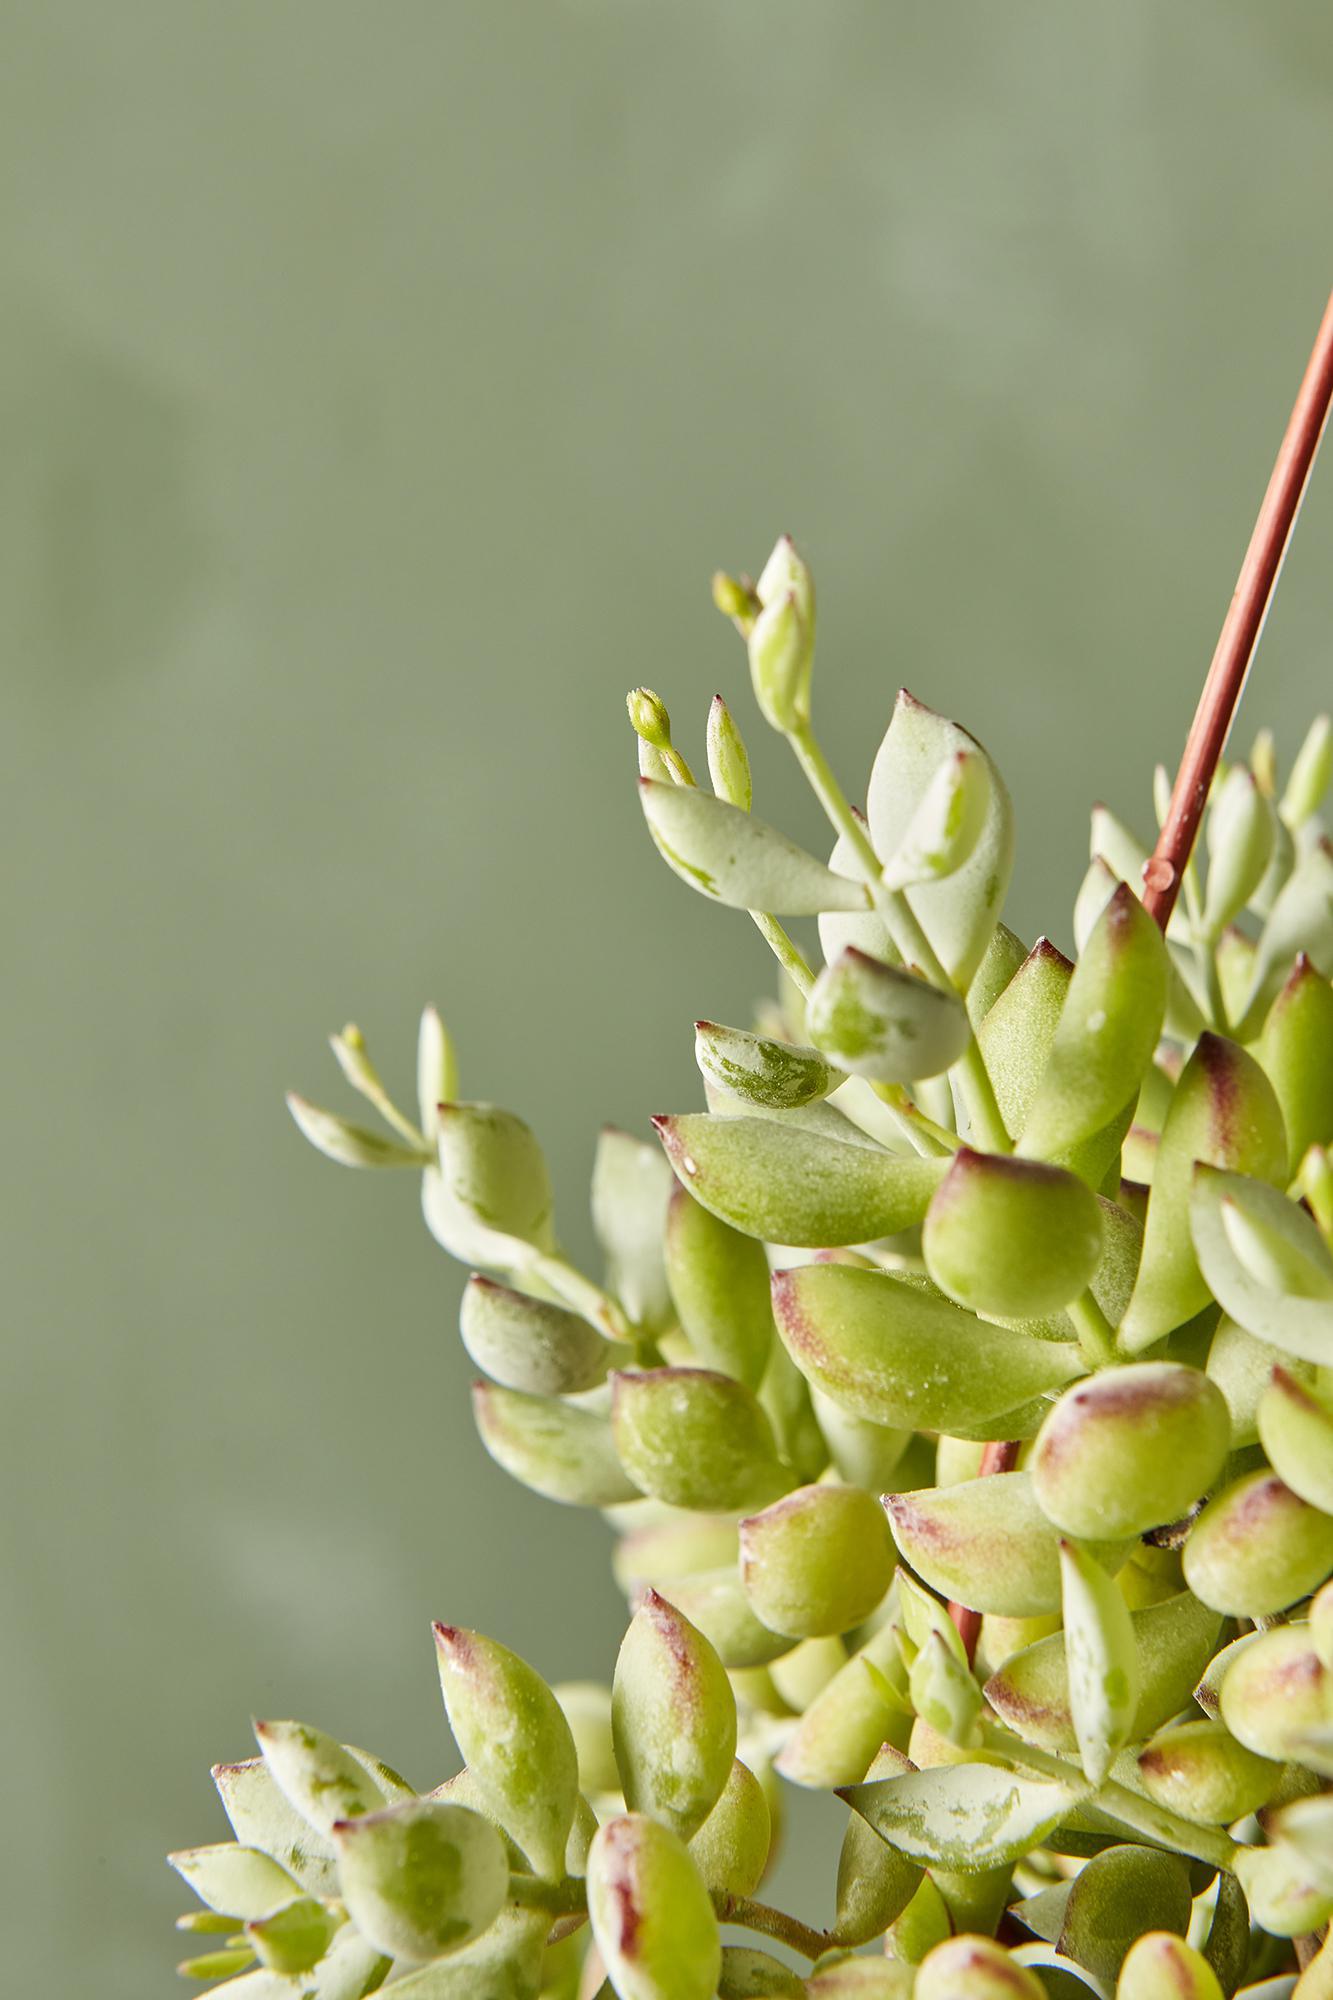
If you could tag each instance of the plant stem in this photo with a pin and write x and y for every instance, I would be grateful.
(752, 1916)
(568, 1898)
(1096, 1336)
(1242, 626)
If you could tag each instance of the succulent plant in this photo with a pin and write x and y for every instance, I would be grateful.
(959, 1389)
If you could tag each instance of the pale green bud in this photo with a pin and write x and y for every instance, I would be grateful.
(974, 1968)
(492, 1194)
(735, 859)
(695, 1439)
(1199, 1770)
(728, 760)
(720, 1284)
(1276, 1691)
(1286, 1894)
(735, 598)
(237, 1881)
(515, 1741)
(531, 1344)
(437, 1071)
(673, 1718)
(985, 1543)
(781, 646)
(555, 1448)
(348, 1144)
(1101, 1660)
(421, 1879)
(946, 825)
(775, 1075)
(817, 1561)
(631, 1185)
(889, 1351)
(1009, 1237)
(1161, 1966)
(652, 1918)
(1296, 1427)
(787, 574)
(648, 717)
(1296, 1051)
(1309, 774)
(1240, 845)
(1263, 761)
(730, 1849)
(1130, 1449)
(1258, 1547)
(321, 1778)
(883, 1022)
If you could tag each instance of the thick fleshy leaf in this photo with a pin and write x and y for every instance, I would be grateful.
(261, 1816)
(1285, 1892)
(1242, 1368)
(819, 1560)
(1107, 1030)
(728, 759)
(695, 1439)
(945, 1695)
(631, 1185)
(1265, 1262)
(863, 1708)
(965, 1816)
(673, 1718)
(1004, 954)
(1198, 1769)
(490, 1199)
(348, 1144)
(1301, 920)
(890, 1351)
(947, 823)
(1119, 1895)
(883, 1022)
(776, 1075)
(1161, 1966)
(862, 1453)
(1307, 1825)
(748, 1974)
(986, 1543)
(714, 1600)
(719, 1282)
(669, 1543)
(293, 1938)
(790, 1185)
(437, 1071)
(958, 913)
(1130, 1449)
(505, 1963)
(974, 1968)
(1296, 1051)
(1224, 1114)
(652, 1917)
(1175, 1641)
(421, 1879)
(736, 859)
(1310, 772)
(531, 1344)
(875, 1881)
(1275, 1691)
(319, 1777)
(515, 1742)
(1296, 1429)
(860, 1979)
(1258, 1547)
(1016, 1033)
(586, 1707)
(730, 1849)
(557, 1449)
(1014, 1238)
(1102, 1664)
(1241, 830)
(238, 1881)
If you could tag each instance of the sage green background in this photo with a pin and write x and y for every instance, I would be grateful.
(380, 385)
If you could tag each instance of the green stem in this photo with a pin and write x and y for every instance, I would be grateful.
(786, 951)
(581, 1295)
(1096, 1336)
(567, 1898)
(752, 1916)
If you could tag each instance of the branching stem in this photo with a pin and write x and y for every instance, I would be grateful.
(752, 1916)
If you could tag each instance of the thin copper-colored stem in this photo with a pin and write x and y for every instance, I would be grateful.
(1241, 628)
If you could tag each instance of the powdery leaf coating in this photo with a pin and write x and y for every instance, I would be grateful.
(321, 1778)
(1265, 1263)
(1258, 1547)
(673, 1718)
(515, 1742)
(490, 1196)
(1129, 1449)
(965, 1816)
(880, 1021)
(652, 1917)
(958, 913)
(733, 858)
(975, 1967)
(1161, 1966)
(530, 1344)
(985, 1543)
(1199, 1770)
(900, 1355)
(695, 1439)
(1101, 1659)
(787, 1184)
(819, 1560)
(1015, 1238)
(421, 1879)
(565, 1453)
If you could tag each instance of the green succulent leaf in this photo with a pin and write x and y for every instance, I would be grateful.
(986, 1543)
(719, 1282)
(1012, 1238)
(733, 858)
(631, 1185)
(778, 1076)
(1301, 920)
(1119, 1895)
(651, 1915)
(948, 822)
(238, 1881)
(673, 1718)
(880, 1021)
(817, 1561)
(558, 1449)
(1102, 1662)
(1296, 1430)
(531, 1344)
(1265, 1262)
(695, 1439)
(504, 1963)
(322, 1779)
(965, 1816)
(261, 1816)
(422, 1878)
(974, 1968)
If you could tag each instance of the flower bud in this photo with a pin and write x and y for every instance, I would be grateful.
(1199, 1770)
(530, 1344)
(1276, 1691)
(695, 1439)
(817, 1561)
(631, 1185)
(515, 1742)
(1174, 1641)
(648, 717)
(1296, 1428)
(730, 1849)
(1129, 1449)
(720, 1284)
(889, 1351)
(237, 1881)
(735, 598)
(781, 647)
(883, 1022)
(1286, 1894)
(554, 1448)
(652, 1917)
(946, 825)
(492, 1193)
(673, 1718)
(728, 760)
(319, 1777)
(985, 1543)
(1309, 774)
(1223, 1113)
(775, 1075)
(422, 1878)
(1258, 1547)
(1161, 1966)
(1296, 1051)
(1240, 839)
(1011, 1237)
(756, 1975)
(974, 1968)
(348, 1144)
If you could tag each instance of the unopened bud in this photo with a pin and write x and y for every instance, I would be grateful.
(728, 759)
(648, 717)
(735, 598)
(350, 1145)
(781, 659)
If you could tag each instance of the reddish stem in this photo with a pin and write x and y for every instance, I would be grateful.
(1241, 628)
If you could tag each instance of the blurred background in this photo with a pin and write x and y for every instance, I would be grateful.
(379, 388)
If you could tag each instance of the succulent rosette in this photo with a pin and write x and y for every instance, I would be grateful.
(958, 1389)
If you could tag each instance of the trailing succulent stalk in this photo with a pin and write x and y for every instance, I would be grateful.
(959, 1390)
